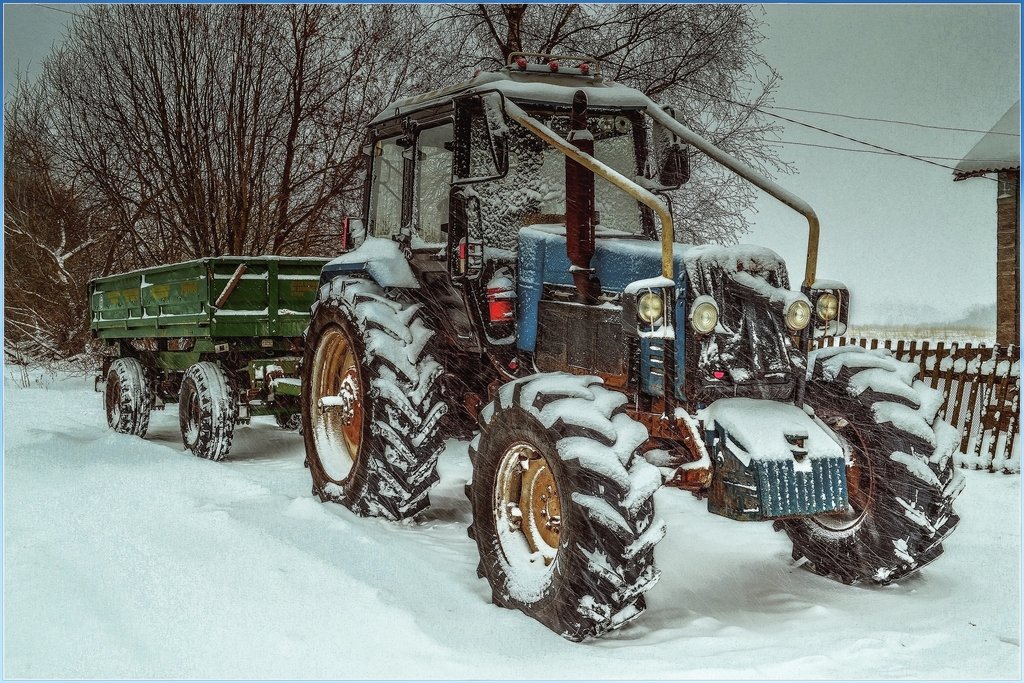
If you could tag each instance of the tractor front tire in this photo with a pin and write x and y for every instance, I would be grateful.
(902, 480)
(371, 401)
(207, 411)
(563, 509)
(127, 397)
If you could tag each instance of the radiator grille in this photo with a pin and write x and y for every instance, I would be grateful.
(786, 492)
(577, 337)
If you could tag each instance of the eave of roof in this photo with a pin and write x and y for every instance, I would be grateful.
(997, 151)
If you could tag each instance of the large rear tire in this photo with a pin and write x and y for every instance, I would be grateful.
(127, 397)
(563, 509)
(207, 411)
(371, 401)
(902, 480)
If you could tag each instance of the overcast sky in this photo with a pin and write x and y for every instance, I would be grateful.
(899, 232)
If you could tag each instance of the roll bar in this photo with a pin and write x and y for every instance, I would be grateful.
(752, 176)
(649, 199)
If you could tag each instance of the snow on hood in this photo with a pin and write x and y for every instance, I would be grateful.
(756, 267)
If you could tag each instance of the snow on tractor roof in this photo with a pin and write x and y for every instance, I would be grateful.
(524, 85)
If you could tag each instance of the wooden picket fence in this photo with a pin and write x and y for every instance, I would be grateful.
(980, 388)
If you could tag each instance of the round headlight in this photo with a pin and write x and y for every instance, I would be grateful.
(827, 307)
(704, 317)
(798, 315)
(650, 307)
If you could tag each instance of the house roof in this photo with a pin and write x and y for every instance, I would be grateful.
(997, 150)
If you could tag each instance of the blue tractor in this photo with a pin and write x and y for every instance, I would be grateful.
(516, 281)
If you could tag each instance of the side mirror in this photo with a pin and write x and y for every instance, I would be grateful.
(674, 167)
(672, 156)
(481, 118)
(497, 129)
(353, 232)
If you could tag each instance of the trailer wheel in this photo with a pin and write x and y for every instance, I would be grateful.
(371, 401)
(207, 411)
(291, 422)
(128, 397)
(563, 508)
(902, 480)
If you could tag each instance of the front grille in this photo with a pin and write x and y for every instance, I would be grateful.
(785, 492)
(573, 336)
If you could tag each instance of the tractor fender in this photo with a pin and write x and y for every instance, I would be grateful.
(380, 259)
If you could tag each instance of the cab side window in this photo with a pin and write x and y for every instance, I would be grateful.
(433, 183)
(386, 188)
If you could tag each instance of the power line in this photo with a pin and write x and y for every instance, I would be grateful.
(902, 123)
(865, 151)
(828, 132)
(59, 9)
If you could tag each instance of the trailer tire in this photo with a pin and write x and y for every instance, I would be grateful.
(291, 422)
(207, 411)
(373, 446)
(592, 526)
(903, 481)
(127, 397)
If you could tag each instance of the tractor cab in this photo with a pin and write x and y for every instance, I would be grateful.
(537, 198)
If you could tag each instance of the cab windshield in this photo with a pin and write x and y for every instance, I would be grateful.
(533, 191)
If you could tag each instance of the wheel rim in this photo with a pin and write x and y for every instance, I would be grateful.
(527, 508)
(112, 397)
(860, 486)
(336, 404)
(193, 415)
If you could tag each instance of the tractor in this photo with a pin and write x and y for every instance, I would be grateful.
(515, 280)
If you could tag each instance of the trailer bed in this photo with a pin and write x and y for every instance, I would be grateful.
(260, 296)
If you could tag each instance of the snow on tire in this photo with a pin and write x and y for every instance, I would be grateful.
(563, 509)
(127, 397)
(207, 411)
(903, 480)
(371, 401)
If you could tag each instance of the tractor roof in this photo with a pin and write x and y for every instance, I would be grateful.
(530, 86)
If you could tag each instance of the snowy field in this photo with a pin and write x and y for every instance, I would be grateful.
(131, 558)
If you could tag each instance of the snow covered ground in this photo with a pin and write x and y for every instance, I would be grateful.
(130, 558)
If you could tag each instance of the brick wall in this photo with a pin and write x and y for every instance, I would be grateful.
(1008, 259)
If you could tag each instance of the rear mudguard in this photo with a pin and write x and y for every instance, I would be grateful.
(381, 259)
(772, 460)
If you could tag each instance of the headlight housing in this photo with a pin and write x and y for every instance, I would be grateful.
(650, 308)
(798, 315)
(827, 306)
(704, 314)
(831, 301)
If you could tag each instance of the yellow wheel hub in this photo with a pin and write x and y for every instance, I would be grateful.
(526, 499)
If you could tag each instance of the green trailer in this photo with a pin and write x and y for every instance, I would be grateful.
(221, 336)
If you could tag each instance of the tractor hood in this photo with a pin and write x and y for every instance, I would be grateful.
(619, 259)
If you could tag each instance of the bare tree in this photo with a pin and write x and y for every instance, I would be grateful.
(226, 129)
(53, 239)
(158, 133)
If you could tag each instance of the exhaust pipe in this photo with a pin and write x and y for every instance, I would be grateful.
(579, 204)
